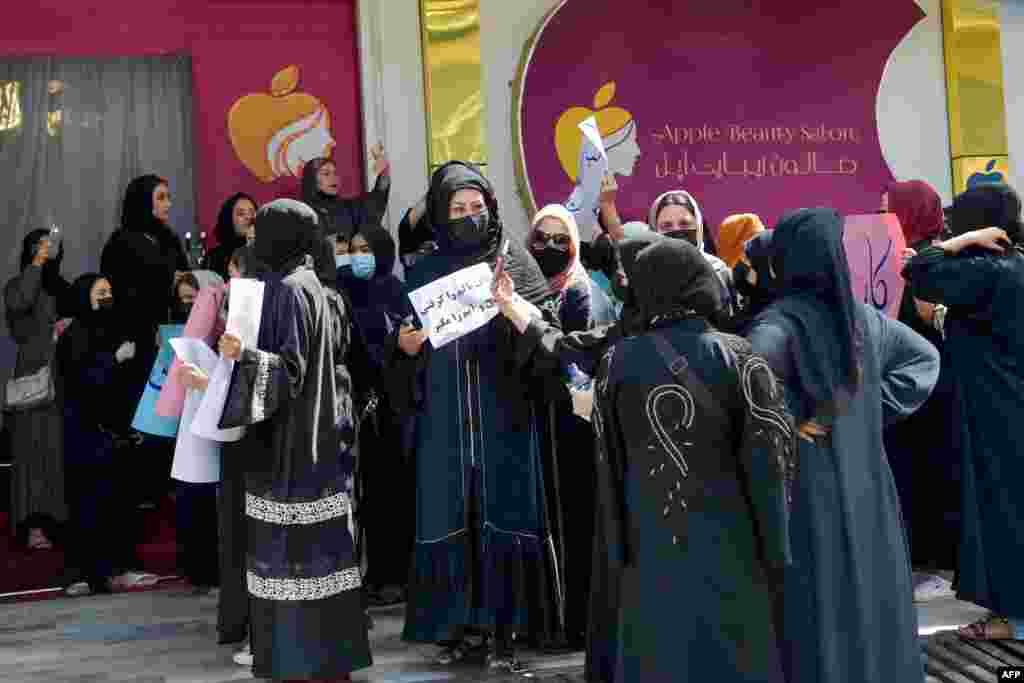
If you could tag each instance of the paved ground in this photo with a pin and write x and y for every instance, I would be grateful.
(161, 637)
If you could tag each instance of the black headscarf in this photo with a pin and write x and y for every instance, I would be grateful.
(325, 205)
(362, 291)
(225, 230)
(137, 211)
(815, 295)
(286, 234)
(758, 252)
(672, 278)
(249, 265)
(91, 331)
(988, 206)
(520, 265)
(52, 282)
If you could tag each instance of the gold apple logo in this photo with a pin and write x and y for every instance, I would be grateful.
(275, 134)
(616, 126)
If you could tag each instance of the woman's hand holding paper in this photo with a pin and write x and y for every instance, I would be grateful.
(230, 346)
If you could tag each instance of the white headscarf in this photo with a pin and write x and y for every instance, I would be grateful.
(652, 216)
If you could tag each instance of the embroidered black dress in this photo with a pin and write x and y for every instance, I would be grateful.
(294, 393)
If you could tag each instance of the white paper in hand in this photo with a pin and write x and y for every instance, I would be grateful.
(196, 460)
(455, 305)
(584, 202)
(245, 312)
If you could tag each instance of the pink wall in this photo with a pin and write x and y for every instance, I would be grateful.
(237, 46)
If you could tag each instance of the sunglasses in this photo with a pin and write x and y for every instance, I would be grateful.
(542, 239)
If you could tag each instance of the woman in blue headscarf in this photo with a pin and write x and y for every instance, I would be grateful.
(847, 613)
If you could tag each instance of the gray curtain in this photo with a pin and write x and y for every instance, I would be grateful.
(120, 118)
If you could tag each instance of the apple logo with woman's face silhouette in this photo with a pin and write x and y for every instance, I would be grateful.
(989, 177)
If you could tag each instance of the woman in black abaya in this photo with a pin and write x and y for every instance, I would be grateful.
(848, 614)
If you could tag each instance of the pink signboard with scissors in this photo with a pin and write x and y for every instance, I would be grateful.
(874, 249)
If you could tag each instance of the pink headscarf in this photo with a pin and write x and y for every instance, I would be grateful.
(919, 208)
(561, 281)
(203, 323)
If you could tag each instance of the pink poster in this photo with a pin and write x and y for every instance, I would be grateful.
(874, 249)
(730, 101)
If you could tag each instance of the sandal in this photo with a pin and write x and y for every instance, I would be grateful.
(990, 628)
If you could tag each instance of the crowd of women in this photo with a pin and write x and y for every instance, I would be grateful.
(691, 465)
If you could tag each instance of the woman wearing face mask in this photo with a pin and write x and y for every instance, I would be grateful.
(234, 228)
(380, 304)
(142, 260)
(676, 214)
(34, 300)
(90, 354)
(554, 242)
(979, 274)
(482, 543)
(755, 281)
(847, 609)
(341, 216)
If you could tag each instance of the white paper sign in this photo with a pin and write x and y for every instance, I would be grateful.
(196, 460)
(455, 305)
(593, 166)
(245, 311)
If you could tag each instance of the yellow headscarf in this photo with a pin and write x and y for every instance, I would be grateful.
(734, 234)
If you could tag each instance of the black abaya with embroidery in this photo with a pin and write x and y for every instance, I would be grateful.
(293, 392)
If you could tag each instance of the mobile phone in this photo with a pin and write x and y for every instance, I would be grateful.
(499, 264)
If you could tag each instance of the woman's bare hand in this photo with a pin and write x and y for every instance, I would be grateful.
(411, 340)
(811, 430)
(230, 346)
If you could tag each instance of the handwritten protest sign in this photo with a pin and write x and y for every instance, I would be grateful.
(593, 166)
(874, 249)
(455, 305)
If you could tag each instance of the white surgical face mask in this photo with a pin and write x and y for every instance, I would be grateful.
(342, 260)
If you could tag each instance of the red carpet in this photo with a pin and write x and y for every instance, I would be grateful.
(33, 570)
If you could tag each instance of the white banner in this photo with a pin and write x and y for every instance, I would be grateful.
(593, 166)
(455, 305)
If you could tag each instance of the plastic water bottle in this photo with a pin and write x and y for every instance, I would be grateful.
(578, 380)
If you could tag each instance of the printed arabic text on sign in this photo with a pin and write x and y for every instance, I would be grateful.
(455, 305)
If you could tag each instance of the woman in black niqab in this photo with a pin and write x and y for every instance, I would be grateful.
(754, 296)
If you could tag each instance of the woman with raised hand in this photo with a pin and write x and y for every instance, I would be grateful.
(979, 275)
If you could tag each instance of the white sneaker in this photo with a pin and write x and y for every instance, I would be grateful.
(244, 656)
(932, 588)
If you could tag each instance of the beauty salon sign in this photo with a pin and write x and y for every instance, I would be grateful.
(763, 108)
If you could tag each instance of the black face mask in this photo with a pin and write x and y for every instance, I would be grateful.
(688, 235)
(551, 261)
(469, 231)
(105, 304)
